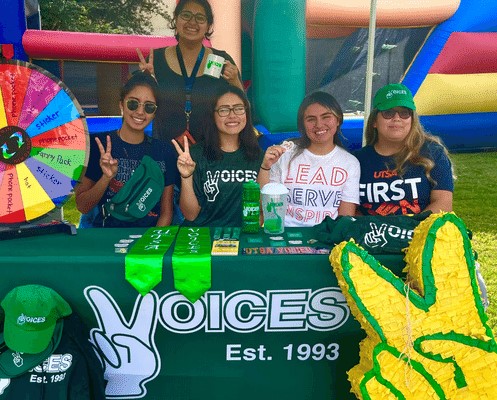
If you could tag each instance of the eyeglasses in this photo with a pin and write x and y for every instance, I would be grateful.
(404, 113)
(225, 111)
(148, 106)
(188, 15)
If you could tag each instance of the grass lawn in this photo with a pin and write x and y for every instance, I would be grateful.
(475, 201)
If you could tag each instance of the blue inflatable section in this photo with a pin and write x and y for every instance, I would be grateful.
(457, 129)
(464, 132)
(459, 132)
(12, 26)
(351, 134)
(107, 124)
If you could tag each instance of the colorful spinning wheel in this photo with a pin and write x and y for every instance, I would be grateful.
(44, 142)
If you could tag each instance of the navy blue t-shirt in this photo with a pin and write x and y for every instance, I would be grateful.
(384, 192)
(129, 157)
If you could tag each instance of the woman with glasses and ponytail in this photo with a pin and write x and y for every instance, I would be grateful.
(179, 71)
(404, 170)
(214, 170)
(115, 155)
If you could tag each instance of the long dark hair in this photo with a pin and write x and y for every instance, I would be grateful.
(208, 13)
(140, 78)
(326, 100)
(248, 139)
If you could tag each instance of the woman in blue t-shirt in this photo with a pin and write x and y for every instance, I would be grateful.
(115, 155)
(404, 170)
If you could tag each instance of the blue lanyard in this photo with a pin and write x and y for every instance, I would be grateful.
(189, 80)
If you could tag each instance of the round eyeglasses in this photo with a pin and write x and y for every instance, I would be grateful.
(225, 111)
(188, 15)
(148, 106)
(404, 113)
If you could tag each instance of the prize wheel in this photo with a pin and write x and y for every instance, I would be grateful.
(44, 142)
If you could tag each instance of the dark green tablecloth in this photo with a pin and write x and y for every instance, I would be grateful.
(271, 326)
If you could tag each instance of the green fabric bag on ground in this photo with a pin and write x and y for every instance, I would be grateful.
(139, 194)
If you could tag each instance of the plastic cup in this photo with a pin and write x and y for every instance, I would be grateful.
(274, 203)
(214, 65)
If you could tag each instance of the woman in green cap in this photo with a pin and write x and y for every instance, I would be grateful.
(404, 170)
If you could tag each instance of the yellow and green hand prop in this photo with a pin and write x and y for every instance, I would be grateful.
(427, 337)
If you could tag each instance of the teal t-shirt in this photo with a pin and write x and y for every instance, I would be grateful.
(218, 186)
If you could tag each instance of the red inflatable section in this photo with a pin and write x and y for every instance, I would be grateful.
(55, 45)
(467, 53)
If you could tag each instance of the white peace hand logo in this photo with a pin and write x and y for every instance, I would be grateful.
(130, 356)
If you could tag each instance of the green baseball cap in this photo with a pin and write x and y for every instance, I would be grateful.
(393, 95)
(15, 363)
(31, 314)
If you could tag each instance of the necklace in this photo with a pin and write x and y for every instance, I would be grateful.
(124, 143)
(229, 150)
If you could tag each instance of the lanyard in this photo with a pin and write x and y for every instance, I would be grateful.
(189, 80)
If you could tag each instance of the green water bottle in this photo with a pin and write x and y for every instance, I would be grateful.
(250, 206)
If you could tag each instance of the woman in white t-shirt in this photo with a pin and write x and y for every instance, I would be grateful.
(321, 176)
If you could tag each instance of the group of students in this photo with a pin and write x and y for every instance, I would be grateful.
(401, 170)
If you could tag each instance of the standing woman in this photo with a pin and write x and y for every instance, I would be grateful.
(214, 170)
(404, 170)
(115, 155)
(179, 72)
(322, 177)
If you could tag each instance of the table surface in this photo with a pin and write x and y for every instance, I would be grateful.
(271, 326)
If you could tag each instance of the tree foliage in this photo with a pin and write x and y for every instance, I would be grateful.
(102, 16)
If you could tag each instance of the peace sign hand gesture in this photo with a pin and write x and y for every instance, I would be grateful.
(143, 64)
(211, 189)
(428, 336)
(108, 164)
(126, 346)
(185, 163)
(376, 237)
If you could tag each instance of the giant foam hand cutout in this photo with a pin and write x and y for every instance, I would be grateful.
(427, 337)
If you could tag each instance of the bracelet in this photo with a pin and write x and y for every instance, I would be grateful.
(265, 169)
(186, 177)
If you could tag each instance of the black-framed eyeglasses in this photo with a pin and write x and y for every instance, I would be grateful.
(225, 111)
(403, 112)
(148, 106)
(188, 15)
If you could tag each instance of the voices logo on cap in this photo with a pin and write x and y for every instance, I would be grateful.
(22, 319)
(32, 313)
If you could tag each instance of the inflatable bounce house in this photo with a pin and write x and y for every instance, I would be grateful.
(445, 51)
(427, 336)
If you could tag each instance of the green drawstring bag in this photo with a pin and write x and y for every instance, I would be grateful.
(139, 194)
